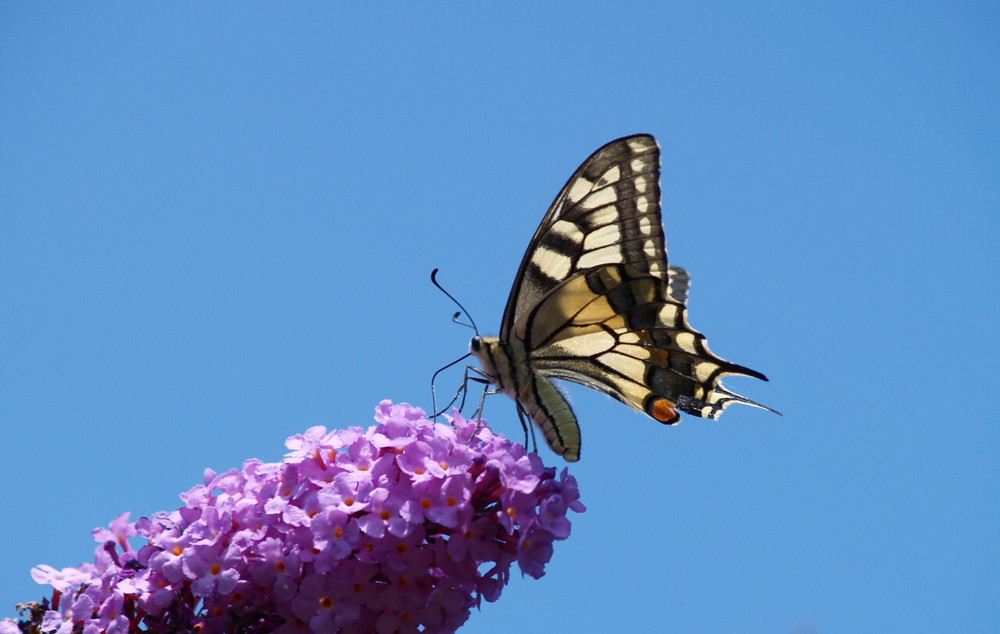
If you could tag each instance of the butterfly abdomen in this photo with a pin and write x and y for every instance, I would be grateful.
(506, 366)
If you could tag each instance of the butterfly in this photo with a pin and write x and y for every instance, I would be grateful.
(595, 302)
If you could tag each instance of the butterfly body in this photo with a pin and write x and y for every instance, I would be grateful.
(595, 302)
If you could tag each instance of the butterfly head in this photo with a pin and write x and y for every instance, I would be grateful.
(490, 354)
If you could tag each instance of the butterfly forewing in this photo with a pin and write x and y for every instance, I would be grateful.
(607, 213)
(595, 302)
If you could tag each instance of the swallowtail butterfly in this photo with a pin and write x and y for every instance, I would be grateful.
(595, 302)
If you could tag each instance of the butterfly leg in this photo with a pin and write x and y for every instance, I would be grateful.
(460, 390)
(527, 428)
(486, 381)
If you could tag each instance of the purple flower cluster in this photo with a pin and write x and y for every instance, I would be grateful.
(401, 528)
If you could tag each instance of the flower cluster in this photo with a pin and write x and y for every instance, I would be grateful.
(401, 528)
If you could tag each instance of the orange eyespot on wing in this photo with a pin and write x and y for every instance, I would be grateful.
(664, 411)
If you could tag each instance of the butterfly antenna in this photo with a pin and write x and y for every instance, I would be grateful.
(454, 318)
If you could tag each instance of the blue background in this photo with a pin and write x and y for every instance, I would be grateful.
(217, 224)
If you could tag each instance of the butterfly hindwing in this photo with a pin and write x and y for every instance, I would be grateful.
(619, 332)
(679, 284)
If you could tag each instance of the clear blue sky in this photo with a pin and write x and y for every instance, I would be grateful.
(217, 223)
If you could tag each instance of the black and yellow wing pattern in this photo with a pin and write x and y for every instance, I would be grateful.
(595, 302)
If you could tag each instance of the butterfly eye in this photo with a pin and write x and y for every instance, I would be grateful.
(475, 344)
